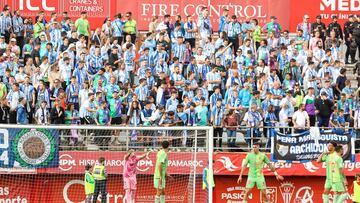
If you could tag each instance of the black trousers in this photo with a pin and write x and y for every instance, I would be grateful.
(7, 37)
(20, 43)
(218, 132)
(191, 41)
(12, 117)
(235, 43)
(349, 53)
(100, 187)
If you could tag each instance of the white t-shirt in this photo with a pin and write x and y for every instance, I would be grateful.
(300, 118)
(283, 118)
(357, 118)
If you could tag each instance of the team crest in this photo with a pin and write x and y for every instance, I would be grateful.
(271, 193)
(287, 191)
(282, 149)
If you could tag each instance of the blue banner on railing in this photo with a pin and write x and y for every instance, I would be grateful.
(309, 145)
(30, 148)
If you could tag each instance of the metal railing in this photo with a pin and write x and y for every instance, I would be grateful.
(245, 137)
(183, 139)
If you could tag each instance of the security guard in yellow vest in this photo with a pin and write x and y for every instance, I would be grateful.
(89, 183)
(99, 174)
(356, 189)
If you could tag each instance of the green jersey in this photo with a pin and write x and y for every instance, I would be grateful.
(161, 159)
(82, 26)
(334, 165)
(256, 163)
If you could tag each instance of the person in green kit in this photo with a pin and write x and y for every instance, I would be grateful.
(83, 27)
(334, 173)
(160, 172)
(343, 195)
(256, 160)
(89, 184)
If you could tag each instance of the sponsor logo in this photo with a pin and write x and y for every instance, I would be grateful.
(282, 149)
(304, 195)
(271, 193)
(29, 6)
(340, 5)
(234, 193)
(227, 163)
(34, 147)
(144, 165)
(66, 162)
(287, 191)
(67, 191)
(309, 166)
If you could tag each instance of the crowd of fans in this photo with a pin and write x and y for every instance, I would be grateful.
(179, 73)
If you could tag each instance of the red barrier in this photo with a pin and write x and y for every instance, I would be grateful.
(60, 188)
(291, 190)
(230, 164)
(72, 162)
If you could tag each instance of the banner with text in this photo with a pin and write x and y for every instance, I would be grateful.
(291, 190)
(29, 148)
(309, 145)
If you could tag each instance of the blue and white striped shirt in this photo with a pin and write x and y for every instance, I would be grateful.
(142, 92)
(117, 27)
(218, 114)
(179, 51)
(191, 26)
(233, 29)
(70, 91)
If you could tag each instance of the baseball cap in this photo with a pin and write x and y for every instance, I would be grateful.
(306, 16)
(13, 40)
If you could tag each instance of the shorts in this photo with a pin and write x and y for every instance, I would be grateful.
(130, 183)
(335, 186)
(260, 183)
(156, 183)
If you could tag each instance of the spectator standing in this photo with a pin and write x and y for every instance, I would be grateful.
(223, 20)
(301, 119)
(233, 29)
(319, 27)
(217, 116)
(130, 27)
(205, 26)
(305, 26)
(309, 103)
(57, 113)
(272, 26)
(253, 121)
(18, 26)
(82, 26)
(335, 26)
(231, 124)
(21, 114)
(324, 108)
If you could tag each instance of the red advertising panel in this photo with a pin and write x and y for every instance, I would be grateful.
(73, 162)
(325, 8)
(183, 163)
(230, 164)
(291, 190)
(143, 10)
(70, 188)
(94, 8)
